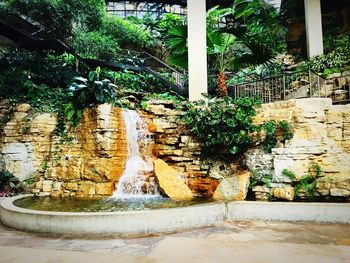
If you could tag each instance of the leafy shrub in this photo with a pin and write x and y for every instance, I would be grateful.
(95, 45)
(307, 183)
(9, 184)
(88, 92)
(259, 178)
(60, 17)
(224, 125)
(272, 129)
(126, 33)
(21, 69)
(134, 81)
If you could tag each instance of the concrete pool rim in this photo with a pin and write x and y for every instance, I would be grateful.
(165, 220)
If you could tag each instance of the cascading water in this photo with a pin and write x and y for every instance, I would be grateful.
(134, 182)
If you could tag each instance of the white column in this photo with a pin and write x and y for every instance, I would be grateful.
(313, 19)
(197, 49)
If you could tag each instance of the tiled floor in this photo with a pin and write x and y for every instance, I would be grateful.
(258, 241)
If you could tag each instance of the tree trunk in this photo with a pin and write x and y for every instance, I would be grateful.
(222, 86)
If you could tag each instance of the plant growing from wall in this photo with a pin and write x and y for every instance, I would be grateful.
(224, 125)
(9, 184)
(272, 130)
(86, 93)
(307, 183)
(259, 178)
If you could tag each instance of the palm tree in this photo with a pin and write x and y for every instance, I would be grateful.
(231, 48)
(219, 45)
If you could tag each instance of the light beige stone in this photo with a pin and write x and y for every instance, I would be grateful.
(170, 182)
(285, 193)
(105, 189)
(233, 188)
(47, 185)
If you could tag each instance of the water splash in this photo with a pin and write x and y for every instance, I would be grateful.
(134, 182)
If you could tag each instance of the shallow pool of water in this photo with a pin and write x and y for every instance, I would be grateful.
(73, 204)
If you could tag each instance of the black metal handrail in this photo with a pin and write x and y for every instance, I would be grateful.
(294, 85)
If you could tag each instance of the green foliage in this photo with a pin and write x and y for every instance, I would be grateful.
(88, 92)
(176, 45)
(335, 60)
(307, 183)
(254, 39)
(289, 174)
(22, 72)
(126, 33)
(29, 181)
(133, 81)
(224, 125)
(60, 17)
(259, 178)
(261, 22)
(94, 44)
(9, 184)
(272, 129)
(162, 96)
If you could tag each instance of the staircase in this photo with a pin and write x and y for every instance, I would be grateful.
(31, 36)
(294, 86)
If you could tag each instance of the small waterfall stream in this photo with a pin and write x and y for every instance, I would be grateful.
(134, 181)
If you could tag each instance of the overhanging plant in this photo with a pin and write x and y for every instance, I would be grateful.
(88, 92)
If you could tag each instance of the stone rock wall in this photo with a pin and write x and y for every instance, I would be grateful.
(89, 160)
(321, 137)
(177, 147)
(85, 162)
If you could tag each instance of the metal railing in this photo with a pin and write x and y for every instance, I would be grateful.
(294, 86)
(147, 60)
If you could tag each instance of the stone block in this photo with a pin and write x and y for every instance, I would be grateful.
(285, 193)
(339, 192)
(70, 186)
(23, 107)
(47, 185)
(87, 188)
(170, 181)
(233, 188)
(56, 186)
(105, 189)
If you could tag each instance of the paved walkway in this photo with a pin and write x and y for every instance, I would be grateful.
(253, 242)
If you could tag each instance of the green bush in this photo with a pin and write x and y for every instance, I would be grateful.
(60, 17)
(88, 92)
(126, 33)
(224, 125)
(94, 44)
(9, 184)
(134, 81)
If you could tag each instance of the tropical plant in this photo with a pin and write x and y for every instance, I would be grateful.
(94, 44)
(176, 45)
(88, 92)
(61, 17)
(9, 184)
(126, 33)
(224, 125)
(219, 45)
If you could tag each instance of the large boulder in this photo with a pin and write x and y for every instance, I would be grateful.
(170, 181)
(233, 188)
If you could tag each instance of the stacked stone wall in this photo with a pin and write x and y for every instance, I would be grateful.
(321, 137)
(89, 160)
